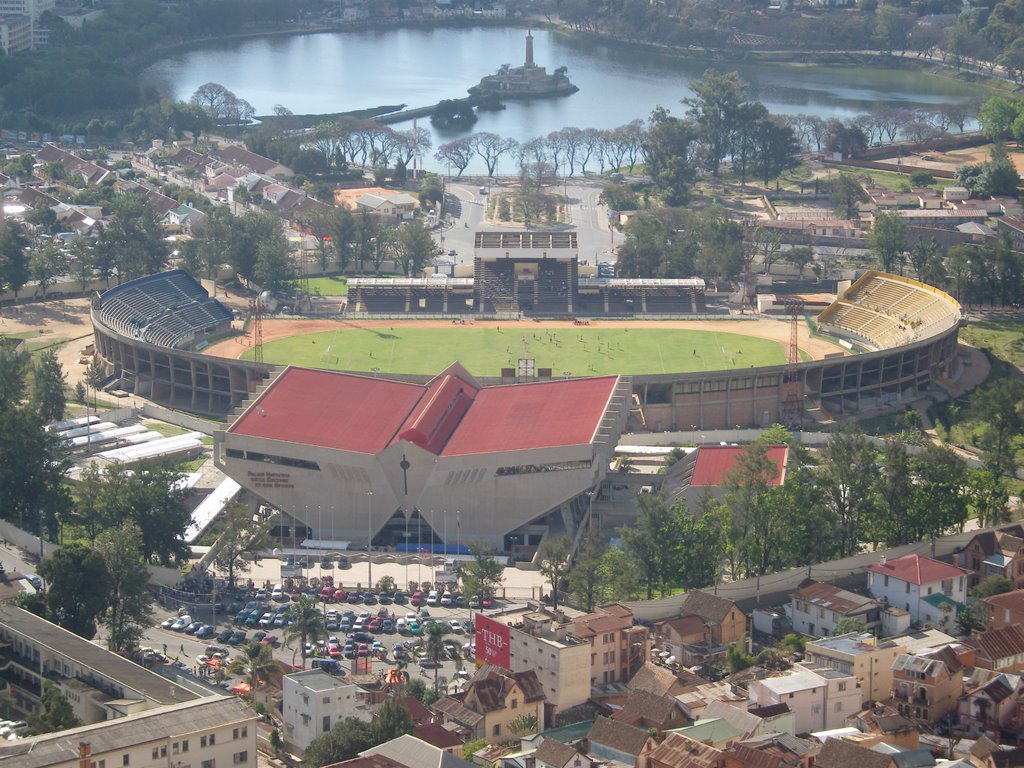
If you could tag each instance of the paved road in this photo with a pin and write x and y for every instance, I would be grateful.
(466, 206)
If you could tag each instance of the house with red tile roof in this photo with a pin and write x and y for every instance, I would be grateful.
(491, 702)
(1005, 609)
(357, 456)
(1001, 650)
(992, 703)
(818, 608)
(907, 582)
(707, 469)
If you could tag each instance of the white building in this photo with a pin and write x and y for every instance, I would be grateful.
(560, 659)
(19, 24)
(313, 702)
(819, 698)
(213, 732)
(817, 608)
(906, 581)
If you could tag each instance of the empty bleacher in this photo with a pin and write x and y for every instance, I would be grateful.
(886, 310)
(169, 309)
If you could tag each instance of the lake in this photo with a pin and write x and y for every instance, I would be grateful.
(342, 71)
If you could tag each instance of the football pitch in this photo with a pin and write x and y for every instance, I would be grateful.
(484, 351)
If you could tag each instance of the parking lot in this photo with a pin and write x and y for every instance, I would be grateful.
(361, 628)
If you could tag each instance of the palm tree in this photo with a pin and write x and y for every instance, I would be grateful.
(256, 663)
(308, 622)
(434, 648)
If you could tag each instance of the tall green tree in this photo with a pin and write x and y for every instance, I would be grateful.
(129, 610)
(433, 648)
(256, 664)
(76, 587)
(888, 241)
(415, 246)
(845, 477)
(553, 561)
(346, 739)
(243, 535)
(753, 525)
(940, 490)
(890, 520)
(715, 109)
(55, 712)
(988, 496)
(1000, 407)
(482, 574)
(391, 720)
(307, 622)
(48, 395)
(669, 145)
(14, 257)
(586, 582)
(653, 543)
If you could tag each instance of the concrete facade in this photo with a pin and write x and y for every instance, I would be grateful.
(820, 699)
(313, 702)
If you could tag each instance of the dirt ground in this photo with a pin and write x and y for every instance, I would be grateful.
(56, 322)
(775, 330)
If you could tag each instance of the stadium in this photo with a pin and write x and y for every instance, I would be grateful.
(504, 455)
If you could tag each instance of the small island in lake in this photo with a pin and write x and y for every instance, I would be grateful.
(526, 81)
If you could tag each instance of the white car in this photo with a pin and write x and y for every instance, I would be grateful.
(432, 598)
(456, 627)
(446, 598)
(180, 623)
(166, 623)
(410, 616)
(267, 621)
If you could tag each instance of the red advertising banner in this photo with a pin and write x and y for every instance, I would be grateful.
(492, 641)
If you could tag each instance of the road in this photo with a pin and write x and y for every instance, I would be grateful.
(465, 205)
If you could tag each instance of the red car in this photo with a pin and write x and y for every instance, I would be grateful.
(416, 599)
(334, 651)
(363, 650)
(269, 640)
(327, 594)
(374, 625)
(339, 595)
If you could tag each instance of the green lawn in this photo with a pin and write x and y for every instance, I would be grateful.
(1005, 338)
(484, 351)
(325, 286)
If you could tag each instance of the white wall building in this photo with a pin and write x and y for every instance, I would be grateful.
(213, 732)
(313, 702)
(19, 29)
(560, 659)
(820, 699)
(906, 581)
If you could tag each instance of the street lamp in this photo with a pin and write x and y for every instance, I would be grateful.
(369, 540)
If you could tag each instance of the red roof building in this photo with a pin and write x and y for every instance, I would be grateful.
(346, 453)
(708, 468)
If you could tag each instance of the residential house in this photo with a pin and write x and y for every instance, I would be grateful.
(663, 682)
(554, 754)
(862, 655)
(236, 155)
(991, 704)
(998, 552)
(1000, 649)
(838, 753)
(715, 732)
(491, 701)
(621, 742)
(696, 700)
(906, 581)
(410, 752)
(817, 608)
(820, 698)
(436, 735)
(750, 723)
(618, 647)
(208, 731)
(313, 702)
(703, 629)
(184, 218)
(646, 710)
(678, 751)
(884, 721)
(927, 688)
(1004, 610)
(771, 750)
(400, 206)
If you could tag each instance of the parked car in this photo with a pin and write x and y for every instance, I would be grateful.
(258, 636)
(432, 598)
(363, 650)
(446, 598)
(339, 595)
(237, 637)
(225, 636)
(326, 562)
(270, 640)
(369, 598)
(384, 598)
(399, 598)
(375, 625)
(166, 623)
(456, 627)
(387, 626)
(181, 623)
(206, 630)
(417, 599)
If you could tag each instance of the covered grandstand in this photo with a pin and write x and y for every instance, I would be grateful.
(145, 330)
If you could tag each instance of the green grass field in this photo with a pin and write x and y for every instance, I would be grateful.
(324, 286)
(484, 351)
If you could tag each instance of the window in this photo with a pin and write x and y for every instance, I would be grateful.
(326, 725)
(515, 703)
(126, 760)
(908, 587)
(207, 740)
(156, 753)
(842, 686)
(886, 582)
(241, 757)
(175, 747)
(838, 706)
(184, 745)
(497, 729)
(611, 656)
(816, 709)
(209, 763)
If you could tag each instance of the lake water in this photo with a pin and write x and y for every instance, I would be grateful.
(336, 72)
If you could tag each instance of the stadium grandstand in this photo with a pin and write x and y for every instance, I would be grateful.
(354, 456)
(884, 311)
(532, 273)
(146, 331)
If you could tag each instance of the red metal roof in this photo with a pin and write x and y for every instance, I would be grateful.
(714, 462)
(449, 416)
(330, 410)
(524, 416)
(917, 570)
